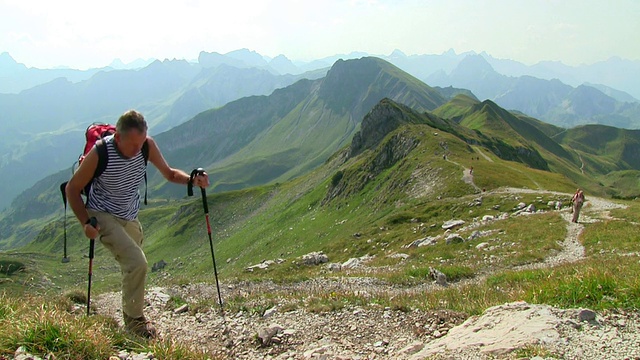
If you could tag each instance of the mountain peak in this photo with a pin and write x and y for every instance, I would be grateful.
(283, 65)
(136, 64)
(385, 117)
(361, 83)
(450, 52)
(5, 57)
(250, 58)
(350, 76)
(397, 54)
(475, 63)
(8, 65)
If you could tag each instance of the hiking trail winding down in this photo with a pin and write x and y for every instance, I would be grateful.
(375, 332)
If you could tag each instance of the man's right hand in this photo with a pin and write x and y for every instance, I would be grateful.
(90, 231)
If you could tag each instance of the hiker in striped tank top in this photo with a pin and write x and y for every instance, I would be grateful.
(114, 201)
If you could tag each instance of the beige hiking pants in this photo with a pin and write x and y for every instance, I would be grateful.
(577, 206)
(124, 239)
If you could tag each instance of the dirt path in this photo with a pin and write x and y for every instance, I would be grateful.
(572, 250)
(467, 175)
(581, 163)
(479, 151)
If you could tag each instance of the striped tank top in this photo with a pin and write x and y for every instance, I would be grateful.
(116, 190)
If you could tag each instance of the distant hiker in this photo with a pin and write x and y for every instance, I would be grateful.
(114, 201)
(471, 170)
(578, 201)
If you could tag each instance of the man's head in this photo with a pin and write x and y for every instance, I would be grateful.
(131, 133)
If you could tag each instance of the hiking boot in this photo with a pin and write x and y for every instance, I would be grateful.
(140, 326)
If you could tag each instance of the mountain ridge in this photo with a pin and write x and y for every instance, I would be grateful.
(549, 100)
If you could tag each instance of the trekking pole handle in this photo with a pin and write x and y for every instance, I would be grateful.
(194, 173)
(93, 222)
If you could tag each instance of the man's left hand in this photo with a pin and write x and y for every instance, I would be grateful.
(201, 180)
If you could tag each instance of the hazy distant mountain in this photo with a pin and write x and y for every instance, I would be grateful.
(9, 66)
(242, 58)
(15, 77)
(136, 64)
(328, 61)
(476, 74)
(614, 93)
(216, 86)
(616, 73)
(423, 66)
(61, 104)
(248, 58)
(214, 59)
(283, 65)
(549, 100)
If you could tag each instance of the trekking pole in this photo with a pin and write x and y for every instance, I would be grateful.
(92, 243)
(194, 173)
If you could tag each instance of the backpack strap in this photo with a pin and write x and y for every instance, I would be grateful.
(103, 158)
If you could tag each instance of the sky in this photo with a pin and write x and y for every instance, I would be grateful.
(83, 34)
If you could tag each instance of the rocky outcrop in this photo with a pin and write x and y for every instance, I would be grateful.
(384, 118)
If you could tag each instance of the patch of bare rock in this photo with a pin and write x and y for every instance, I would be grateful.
(371, 332)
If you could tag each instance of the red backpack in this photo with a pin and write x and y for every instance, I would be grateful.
(94, 135)
(95, 132)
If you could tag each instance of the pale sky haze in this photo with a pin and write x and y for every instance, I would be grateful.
(83, 34)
